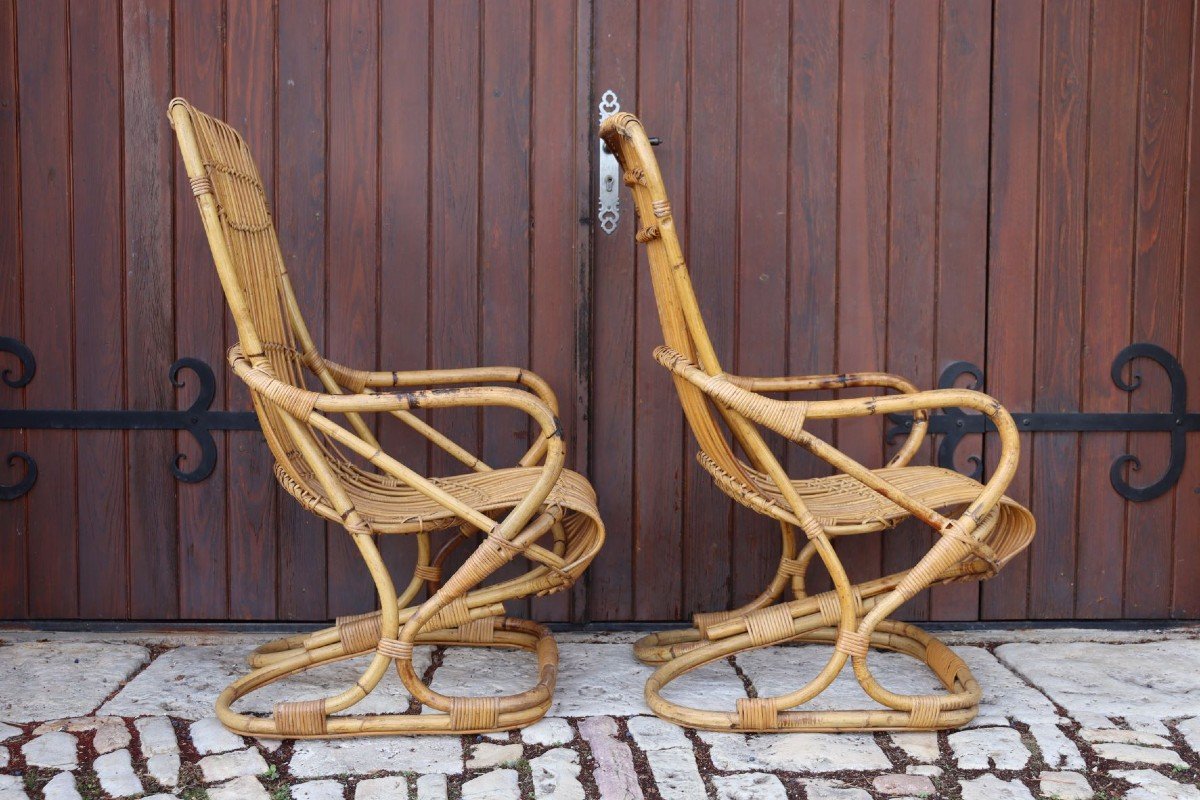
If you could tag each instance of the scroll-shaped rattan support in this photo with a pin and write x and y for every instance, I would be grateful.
(979, 529)
(321, 443)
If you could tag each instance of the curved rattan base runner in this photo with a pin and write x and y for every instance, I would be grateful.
(958, 706)
(466, 715)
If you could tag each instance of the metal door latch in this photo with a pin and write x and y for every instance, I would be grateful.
(609, 208)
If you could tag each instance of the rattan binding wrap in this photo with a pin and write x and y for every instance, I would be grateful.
(312, 416)
(980, 529)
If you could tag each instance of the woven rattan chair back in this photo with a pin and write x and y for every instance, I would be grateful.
(972, 545)
(343, 474)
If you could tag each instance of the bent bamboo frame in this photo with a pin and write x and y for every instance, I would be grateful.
(320, 461)
(984, 532)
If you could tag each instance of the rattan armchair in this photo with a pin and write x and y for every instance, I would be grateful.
(986, 530)
(329, 460)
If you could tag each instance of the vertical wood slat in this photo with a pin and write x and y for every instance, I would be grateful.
(1111, 203)
(14, 532)
(761, 240)
(96, 244)
(614, 331)
(712, 207)
(149, 308)
(351, 274)
(300, 210)
(1012, 256)
(962, 221)
(658, 441)
(252, 520)
(1054, 457)
(46, 185)
(912, 237)
(199, 68)
(1162, 165)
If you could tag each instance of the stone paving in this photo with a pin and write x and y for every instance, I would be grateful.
(1068, 714)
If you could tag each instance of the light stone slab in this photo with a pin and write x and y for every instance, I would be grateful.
(1151, 785)
(160, 796)
(12, 788)
(918, 745)
(389, 788)
(56, 750)
(989, 787)
(270, 745)
(62, 787)
(316, 758)
(652, 733)
(8, 731)
(982, 748)
(483, 672)
(1005, 695)
(239, 789)
(111, 736)
(238, 764)
(489, 754)
(156, 736)
(548, 732)
(432, 787)
(1143, 683)
(3, 757)
(185, 682)
(1058, 751)
(1190, 730)
(1064, 786)
(749, 786)
(911, 785)
(500, 784)
(164, 768)
(115, 771)
(675, 773)
(810, 752)
(928, 770)
(604, 679)
(615, 775)
(827, 790)
(1138, 754)
(33, 675)
(1122, 736)
(209, 736)
(318, 790)
(556, 775)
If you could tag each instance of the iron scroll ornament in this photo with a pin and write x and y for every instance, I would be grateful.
(954, 424)
(198, 419)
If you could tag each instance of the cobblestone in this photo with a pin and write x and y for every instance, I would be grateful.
(115, 771)
(1064, 786)
(749, 786)
(317, 790)
(55, 750)
(498, 785)
(556, 775)
(981, 748)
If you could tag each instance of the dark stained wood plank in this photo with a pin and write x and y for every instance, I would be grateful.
(1185, 599)
(762, 274)
(1162, 165)
(13, 517)
(862, 239)
(710, 244)
(352, 286)
(149, 307)
(912, 227)
(99, 334)
(404, 227)
(200, 324)
(251, 502)
(1111, 204)
(813, 214)
(1055, 456)
(963, 222)
(505, 268)
(555, 205)
(658, 431)
(615, 284)
(300, 219)
(1012, 255)
(42, 30)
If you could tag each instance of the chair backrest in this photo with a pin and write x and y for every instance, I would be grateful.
(241, 236)
(678, 311)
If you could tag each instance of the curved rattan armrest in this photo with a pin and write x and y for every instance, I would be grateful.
(356, 380)
(849, 380)
(787, 418)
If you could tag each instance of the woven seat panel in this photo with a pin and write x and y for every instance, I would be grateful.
(839, 500)
(392, 507)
